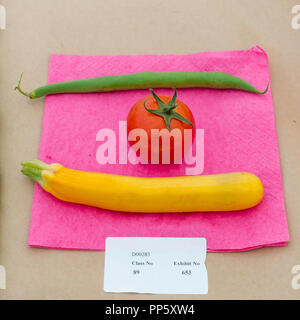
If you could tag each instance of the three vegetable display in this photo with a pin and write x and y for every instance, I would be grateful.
(220, 192)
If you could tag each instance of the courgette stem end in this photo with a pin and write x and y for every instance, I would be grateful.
(34, 169)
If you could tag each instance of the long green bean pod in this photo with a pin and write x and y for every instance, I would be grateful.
(145, 80)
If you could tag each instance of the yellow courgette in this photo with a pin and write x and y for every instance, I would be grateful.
(219, 192)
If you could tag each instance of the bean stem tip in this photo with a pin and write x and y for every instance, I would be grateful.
(18, 88)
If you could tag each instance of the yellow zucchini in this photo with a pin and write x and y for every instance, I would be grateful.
(219, 192)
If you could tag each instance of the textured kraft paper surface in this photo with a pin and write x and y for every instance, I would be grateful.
(239, 135)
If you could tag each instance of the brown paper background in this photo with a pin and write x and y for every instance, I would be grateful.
(37, 28)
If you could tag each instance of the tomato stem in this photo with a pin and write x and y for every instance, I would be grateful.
(167, 110)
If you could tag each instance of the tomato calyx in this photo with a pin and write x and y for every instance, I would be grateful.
(166, 110)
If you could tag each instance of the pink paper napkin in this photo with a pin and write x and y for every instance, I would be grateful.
(239, 135)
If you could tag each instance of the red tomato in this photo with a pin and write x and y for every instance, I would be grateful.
(140, 118)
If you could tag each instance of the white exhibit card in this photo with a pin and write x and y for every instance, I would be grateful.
(155, 265)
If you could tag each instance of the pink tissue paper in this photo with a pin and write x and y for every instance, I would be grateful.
(239, 135)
